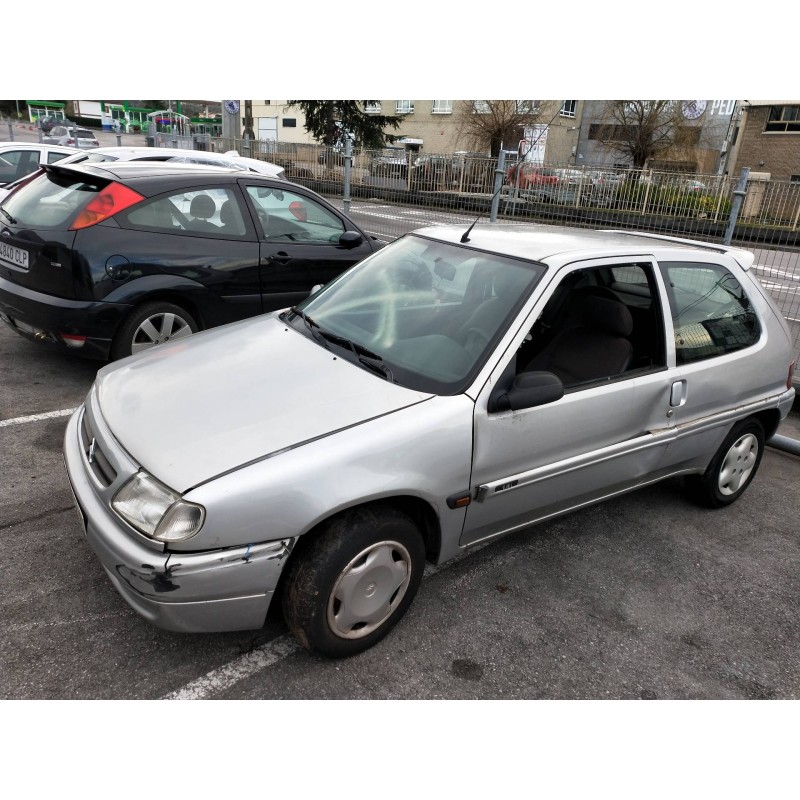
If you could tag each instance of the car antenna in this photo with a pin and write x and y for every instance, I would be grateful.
(465, 235)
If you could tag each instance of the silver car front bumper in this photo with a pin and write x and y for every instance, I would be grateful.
(221, 590)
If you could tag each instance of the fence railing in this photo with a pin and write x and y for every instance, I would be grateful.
(441, 188)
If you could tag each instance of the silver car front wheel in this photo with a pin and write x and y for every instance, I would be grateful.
(369, 589)
(351, 581)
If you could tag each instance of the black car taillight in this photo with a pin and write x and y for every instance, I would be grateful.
(111, 200)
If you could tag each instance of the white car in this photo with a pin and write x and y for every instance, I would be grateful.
(67, 135)
(20, 159)
(229, 160)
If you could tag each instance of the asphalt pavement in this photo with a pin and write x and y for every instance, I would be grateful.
(643, 597)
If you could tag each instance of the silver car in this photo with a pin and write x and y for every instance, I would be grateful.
(453, 387)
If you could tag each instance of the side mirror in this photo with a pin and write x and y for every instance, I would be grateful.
(529, 389)
(351, 239)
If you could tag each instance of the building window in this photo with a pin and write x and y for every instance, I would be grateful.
(783, 119)
(480, 107)
(568, 109)
(289, 122)
(403, 107)
(794, 178)
(442, 107)
(372, 108)
(527, 106)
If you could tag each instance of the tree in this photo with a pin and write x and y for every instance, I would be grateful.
(499, 124)
(326, 121)
(643, 130)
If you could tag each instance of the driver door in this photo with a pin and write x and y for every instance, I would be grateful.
(604, 436)
(299, 243)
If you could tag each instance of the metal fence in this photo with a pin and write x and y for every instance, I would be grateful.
(398, 191)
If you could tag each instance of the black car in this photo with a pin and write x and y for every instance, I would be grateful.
(109, 259)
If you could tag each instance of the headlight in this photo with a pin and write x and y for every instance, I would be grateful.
(157, 511)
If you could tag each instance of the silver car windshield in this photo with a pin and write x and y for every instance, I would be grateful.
(423, 313)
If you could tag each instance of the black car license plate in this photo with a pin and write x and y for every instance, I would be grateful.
(14, 257)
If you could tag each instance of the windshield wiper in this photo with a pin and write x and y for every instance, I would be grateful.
(310, 324)
(364, 355)
(8, 216)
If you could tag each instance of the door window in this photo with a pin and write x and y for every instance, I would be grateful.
(16, 164)
(287, 217)
(711, 312)
(599, 324)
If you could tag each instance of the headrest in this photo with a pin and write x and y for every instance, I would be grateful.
(202, 207)
(604, 314)
(226, 215)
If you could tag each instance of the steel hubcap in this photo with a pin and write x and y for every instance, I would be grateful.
(157, 329)
(369, 589)
(738, 464)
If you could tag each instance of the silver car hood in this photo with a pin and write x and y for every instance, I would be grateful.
(199, 407)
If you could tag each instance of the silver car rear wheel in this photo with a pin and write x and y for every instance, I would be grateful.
(733, 467)
(738, 464)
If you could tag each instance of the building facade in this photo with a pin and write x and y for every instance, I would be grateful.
(427, 126)
(703, 124)
(766, 138)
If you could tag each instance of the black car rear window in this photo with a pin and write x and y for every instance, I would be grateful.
(51, 200)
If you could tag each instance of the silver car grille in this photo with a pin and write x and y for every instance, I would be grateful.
(95, 457)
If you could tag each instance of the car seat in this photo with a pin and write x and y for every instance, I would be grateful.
(231, 223)
(597, 346)
(200, 211)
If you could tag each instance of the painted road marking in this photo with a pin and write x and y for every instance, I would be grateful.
(65, 412)
(243, 667)
(270, 653)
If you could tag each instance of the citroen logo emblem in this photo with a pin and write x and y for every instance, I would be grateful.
(91, 450)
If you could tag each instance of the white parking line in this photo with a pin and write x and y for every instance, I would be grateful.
(243, 667)
(64, 412)
(270, 653)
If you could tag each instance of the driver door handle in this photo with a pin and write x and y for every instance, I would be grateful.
(277, 258)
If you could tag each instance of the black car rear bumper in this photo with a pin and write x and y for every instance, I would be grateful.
(60, 322)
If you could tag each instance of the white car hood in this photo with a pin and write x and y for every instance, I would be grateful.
(202, 406)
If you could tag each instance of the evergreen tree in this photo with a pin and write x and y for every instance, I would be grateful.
(327, 120)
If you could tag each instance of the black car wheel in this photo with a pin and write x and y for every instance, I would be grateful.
(149, 325)
(349, 585)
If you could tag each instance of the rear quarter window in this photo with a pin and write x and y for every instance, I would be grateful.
(711, 312)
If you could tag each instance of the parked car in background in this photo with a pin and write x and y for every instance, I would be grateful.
(71, 136)
(47, 122)
(454, 387)
(109, 259)
(693, 185)
(525, 176)
(229, 160)
(390, 163)
(20, 159)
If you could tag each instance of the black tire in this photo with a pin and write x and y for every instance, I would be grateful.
(349, 584)
(733, 467)
(166, 322)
